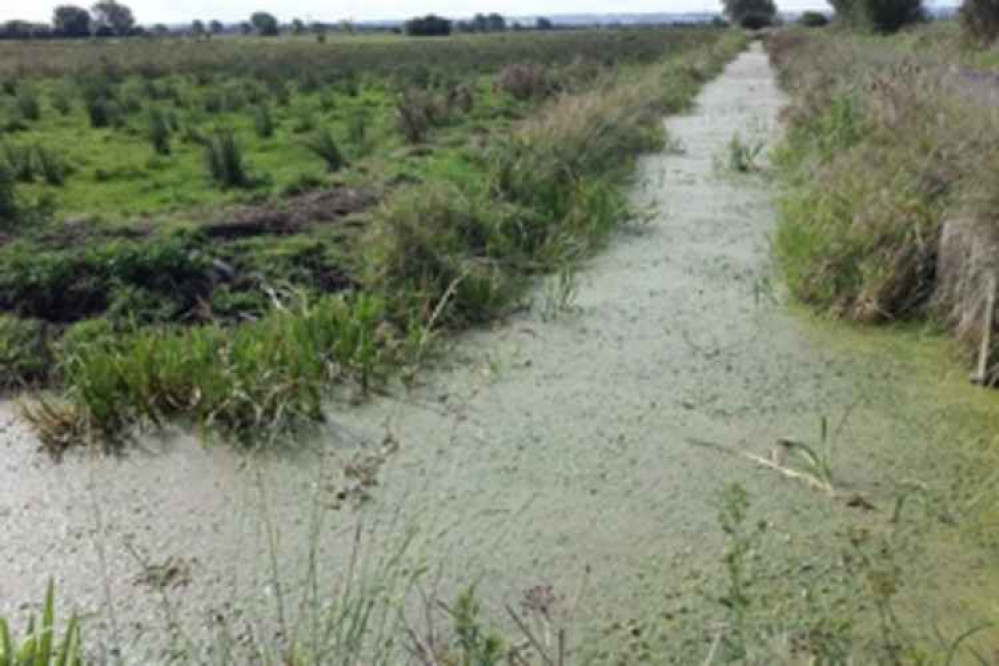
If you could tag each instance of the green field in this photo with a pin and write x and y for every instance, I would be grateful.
(336, 204)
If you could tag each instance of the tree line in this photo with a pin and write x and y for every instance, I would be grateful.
(107, 18)
(433, 25)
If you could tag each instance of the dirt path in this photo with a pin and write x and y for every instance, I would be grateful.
(540, 450)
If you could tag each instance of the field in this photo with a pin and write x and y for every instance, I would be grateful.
(240, 236)
(290, 217)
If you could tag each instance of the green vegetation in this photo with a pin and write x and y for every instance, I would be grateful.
(887, 214)
(267, 242)
(42, 646)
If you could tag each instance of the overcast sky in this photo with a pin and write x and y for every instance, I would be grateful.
(177, 11)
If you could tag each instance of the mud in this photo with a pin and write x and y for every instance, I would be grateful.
(545, 451)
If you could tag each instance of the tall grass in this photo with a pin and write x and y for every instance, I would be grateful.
(43, 646)
(325, 147)
(880, 153)
(270, 375)
(9, 208)
(224, 159)
(159, 131)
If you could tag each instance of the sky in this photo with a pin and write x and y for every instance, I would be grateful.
(182, 11)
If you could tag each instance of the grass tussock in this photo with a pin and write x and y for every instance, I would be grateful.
(224, 159)
(270, 375)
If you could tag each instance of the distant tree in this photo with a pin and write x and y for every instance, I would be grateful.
(884, 16)
(480, 23)
(888, 16)
(751, 14)
(297, 27)
(265, 24)
(495, 23)
(160, 30)
(812, 19)
(544, 24)
(198, 29)
(71, 21)
(216, 27)
(347, 27)
(246, 28)
(980, 21)
(428, 26)
(118, 18)
(17, 30)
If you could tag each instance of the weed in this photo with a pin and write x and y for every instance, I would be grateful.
(9, 207)
(102, 112)
(50, 166)
(305, 119)
(263, 121)
(19, 162)
(525, 82)
(358, 123)
(159, 129)
(224, 158)
(25, 353)
(415, 114)
(744, 157)
(28, 104)
(560, 293)
(42, 646)
(324, 146)
(62, 101)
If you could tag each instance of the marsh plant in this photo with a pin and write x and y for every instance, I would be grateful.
(28, 104)
(324, 146)
(224, 159)
(160, 129)
(9, 209)
(744, 156)
(43, 644)
(263, 121)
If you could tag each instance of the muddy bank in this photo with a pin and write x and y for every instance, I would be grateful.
(543, 451)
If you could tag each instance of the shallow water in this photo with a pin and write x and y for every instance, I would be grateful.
(544, 451)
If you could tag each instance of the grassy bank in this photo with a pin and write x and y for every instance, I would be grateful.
(891, 149)
(244, 325)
